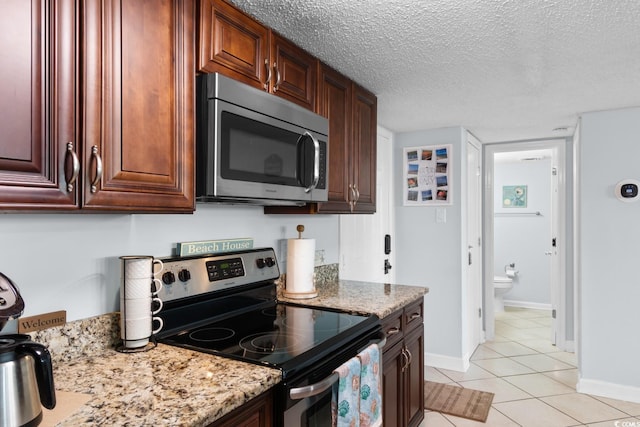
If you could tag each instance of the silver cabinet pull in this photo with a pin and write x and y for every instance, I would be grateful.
(352, 197)
(414, 316)
(406, 360)
(75, 168)
(95, 155)
(393, 331)
(278, 79)
(409, 357)
(269, 75)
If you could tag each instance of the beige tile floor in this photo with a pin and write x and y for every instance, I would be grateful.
(533, 382)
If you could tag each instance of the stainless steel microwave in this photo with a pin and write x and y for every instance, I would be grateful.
(254, 147)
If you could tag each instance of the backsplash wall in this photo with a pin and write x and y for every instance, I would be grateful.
(70, 261)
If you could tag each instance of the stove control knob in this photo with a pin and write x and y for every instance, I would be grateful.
(184, 275)
(270, 262)
(260, 262)
(168, 278)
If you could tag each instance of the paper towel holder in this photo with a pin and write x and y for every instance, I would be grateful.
(304, 287)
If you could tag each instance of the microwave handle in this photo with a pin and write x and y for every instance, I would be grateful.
(316, 160)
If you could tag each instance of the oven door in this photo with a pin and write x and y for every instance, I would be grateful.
(312, 404)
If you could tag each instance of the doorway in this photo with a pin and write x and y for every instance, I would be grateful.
(524, 217)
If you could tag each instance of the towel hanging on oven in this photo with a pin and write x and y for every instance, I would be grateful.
(345, 403)
(370, 387)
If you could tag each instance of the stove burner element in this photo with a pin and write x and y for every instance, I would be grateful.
(212, 334)
(270, 342)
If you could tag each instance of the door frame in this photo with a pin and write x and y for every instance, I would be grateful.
(473, 214)
(558, 282)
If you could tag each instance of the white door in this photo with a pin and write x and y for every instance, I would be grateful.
(474, 242)
(362, 236)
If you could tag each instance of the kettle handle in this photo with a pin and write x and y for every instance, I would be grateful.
(43, 369)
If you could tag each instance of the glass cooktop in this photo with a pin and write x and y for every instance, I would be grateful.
(275, 334)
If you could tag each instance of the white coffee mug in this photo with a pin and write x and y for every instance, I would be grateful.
(140, 288)
(135, 308)
(139, 329)
(140, 266)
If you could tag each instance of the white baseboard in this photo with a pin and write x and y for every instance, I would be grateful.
(526, 304)
(610, 390)
(446, 362)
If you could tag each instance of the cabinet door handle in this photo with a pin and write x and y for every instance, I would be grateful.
(269, 75)
(406, 360)
(352, 197)
(393, 331)
(278, 79)
(75, 166)
(355, 187)
(409, 357)
(95, 155)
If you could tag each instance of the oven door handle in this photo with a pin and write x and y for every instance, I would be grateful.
(319, 387)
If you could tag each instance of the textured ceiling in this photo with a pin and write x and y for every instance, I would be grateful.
(504, 69)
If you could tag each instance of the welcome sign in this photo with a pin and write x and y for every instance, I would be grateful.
(213, 246)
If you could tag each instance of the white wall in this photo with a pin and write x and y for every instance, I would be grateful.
(523, 239)
(609, 289)
(70, 261)
(429, 253)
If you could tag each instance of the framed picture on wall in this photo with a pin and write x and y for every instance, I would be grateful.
(427, 176)
(514, 196)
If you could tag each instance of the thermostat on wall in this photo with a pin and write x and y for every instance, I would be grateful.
(627, 190)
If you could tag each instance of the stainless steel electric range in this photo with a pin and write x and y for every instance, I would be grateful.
(226, 305)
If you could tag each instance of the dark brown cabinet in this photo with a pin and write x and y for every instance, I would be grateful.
(236, 45)
(138, 107)
(403, 367)
(256, 413)
(38, 112)
(105, 120)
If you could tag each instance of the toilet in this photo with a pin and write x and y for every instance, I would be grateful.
(501, 285)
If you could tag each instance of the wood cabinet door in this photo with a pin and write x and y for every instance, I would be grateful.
(334, 103)
(363, 153)
(294, 72)
(38, 104)
(232, 43)
(414, 377)
(138, 105)
(392, 386)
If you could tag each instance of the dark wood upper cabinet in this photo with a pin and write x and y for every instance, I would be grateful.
(232, 43)
(97, 105)
(293, 72)
(364, 122)
(138, 105)
(38, 107)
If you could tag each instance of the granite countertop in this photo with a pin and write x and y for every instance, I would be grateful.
(166, 385)
(174, 386)
(353, 296)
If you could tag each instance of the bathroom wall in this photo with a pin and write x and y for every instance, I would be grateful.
(521, 238)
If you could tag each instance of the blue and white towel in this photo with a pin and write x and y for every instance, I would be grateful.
(370, 387)
(346, 403)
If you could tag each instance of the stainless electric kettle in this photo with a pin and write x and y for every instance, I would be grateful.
(26, 373)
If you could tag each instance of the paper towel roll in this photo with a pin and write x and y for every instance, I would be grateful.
(301, 255)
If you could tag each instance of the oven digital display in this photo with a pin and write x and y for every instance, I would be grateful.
(224, 269)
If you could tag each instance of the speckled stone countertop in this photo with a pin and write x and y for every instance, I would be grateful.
(380, 299)
(167, 386)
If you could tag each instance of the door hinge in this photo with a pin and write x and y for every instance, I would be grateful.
(480, 312)
(553, 313)
(554, 171)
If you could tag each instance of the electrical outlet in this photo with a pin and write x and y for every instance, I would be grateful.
(319, 260)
